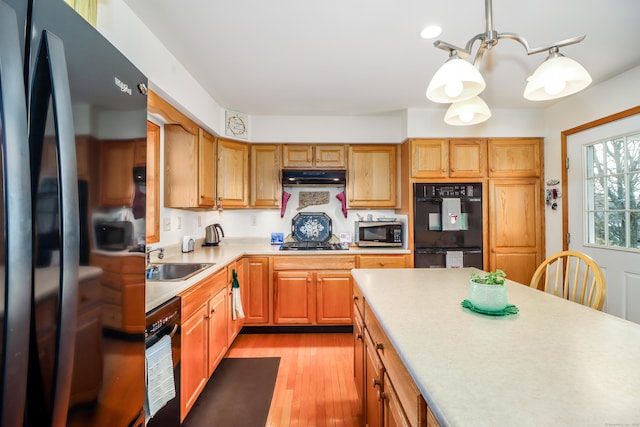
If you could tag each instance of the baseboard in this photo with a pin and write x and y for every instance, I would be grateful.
(302, 329)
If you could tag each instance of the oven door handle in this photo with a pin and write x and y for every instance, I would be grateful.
(173, 331)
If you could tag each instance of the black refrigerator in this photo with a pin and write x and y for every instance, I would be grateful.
(65, 94)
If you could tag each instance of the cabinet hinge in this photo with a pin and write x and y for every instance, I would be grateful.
(568, 238)
(566, 163)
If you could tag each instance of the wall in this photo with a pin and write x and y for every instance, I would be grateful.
(172, 81)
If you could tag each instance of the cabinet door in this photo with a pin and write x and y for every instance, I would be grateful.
(334, 298)
(266, 188)
(194, 372)
(372, 176)
(516, 224)
(233, 173)
(218, 331)
(429, 158)
(297, 156)
(330, 157)
(180, 167)
(236, 324)
(256, 302)
(392, 411)
(294, 297)
(116, 166)
(512, 157)
(373, 384)
(152, 217)
(467, 158)
(358, 358)
(206, 169)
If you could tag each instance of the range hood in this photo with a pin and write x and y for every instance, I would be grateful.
(326, 178)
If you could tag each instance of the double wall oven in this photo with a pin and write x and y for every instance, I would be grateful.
(448, 225)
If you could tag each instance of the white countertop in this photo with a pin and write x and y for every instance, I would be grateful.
(555, 363)
(228, 251)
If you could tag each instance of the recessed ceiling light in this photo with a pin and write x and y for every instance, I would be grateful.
(430, 32)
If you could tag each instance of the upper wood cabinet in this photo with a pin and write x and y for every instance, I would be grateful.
(372, 176)
(116, 168)
(303, 156)
(515, 157)
(444, 158)
(233, 173)
(189, 167)
(266, 188)
(153, 183)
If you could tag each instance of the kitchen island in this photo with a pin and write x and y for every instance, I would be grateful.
(555, 363)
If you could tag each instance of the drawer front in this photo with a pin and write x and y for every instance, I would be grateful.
(197, 295)
(409, 396)
(358, 300)
(111, 296)
(303, 262)
(111, 316)
(383, 261)
(89, 294)
(107, 263)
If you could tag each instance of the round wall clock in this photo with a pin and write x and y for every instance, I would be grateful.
(236, 124)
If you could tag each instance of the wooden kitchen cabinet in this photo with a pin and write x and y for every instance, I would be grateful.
(373, 383)
(313, 290)
(448, 158)
(116, 170)
(233, 174)
(266, 186)
(152, 217)
(189, 167)
(123, 295)
(358, 357)
(204, 337)
(383, 261)
(372, 176)
(256, 302)
(322, 156)
(334, 304)
(516, 220)
(515, 157)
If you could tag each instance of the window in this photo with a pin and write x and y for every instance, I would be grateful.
(613, 192)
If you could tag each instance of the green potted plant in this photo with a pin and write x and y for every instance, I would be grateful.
(487, 291)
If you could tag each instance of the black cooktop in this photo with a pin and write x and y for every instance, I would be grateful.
(312, 246)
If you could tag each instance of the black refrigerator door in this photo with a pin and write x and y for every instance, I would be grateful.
(104, 379)
(15, 222)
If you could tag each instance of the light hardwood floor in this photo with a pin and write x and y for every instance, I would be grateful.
(315, 385)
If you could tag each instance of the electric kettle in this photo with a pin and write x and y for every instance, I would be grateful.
(212, 237)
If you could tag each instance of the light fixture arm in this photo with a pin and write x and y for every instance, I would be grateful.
(490, 38)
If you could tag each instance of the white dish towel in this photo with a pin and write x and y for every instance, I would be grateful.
(161, 387)
(451, 217)
(236, 300)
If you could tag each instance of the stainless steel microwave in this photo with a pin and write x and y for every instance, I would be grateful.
(378, 233)
(114, 236)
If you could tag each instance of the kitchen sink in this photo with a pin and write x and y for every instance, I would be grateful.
(173, 272)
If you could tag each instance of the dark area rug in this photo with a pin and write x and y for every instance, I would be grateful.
(238, 394)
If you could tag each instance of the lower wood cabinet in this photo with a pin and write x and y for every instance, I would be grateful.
(236, 324)
(204, 338)
(312, 290)
(256, 298)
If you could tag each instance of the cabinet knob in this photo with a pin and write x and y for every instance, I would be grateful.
(358, 336)
(375, 382)
(379, 346)
(355, 298)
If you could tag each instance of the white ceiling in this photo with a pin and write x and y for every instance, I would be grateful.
(343, 57)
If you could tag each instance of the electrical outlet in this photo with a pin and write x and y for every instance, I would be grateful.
(167, 224)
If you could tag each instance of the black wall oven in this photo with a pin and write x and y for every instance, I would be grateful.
(448, 225)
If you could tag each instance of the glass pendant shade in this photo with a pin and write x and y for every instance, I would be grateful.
(469, 112)
(556, 77)
(455, 81)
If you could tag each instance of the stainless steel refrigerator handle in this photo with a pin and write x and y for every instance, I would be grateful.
(17, 231)
(51, 77)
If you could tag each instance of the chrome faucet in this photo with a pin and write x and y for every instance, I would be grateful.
(149, 251)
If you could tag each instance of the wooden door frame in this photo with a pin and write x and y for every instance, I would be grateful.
(563, 139)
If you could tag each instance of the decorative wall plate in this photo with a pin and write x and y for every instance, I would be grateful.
(311, 227)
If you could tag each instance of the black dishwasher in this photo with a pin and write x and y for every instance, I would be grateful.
(165, 320)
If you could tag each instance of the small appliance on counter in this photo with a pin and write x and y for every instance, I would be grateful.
(113, 235)
(381, 233)
(188, 244)
(212, 237)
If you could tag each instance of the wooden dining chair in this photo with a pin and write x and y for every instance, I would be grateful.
(574, 276)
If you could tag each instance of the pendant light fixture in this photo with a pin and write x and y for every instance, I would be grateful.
(459, 82)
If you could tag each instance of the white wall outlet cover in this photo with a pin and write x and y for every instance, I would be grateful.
(346, 238)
